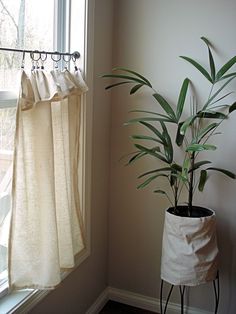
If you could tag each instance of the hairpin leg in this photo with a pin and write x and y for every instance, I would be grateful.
(216, 285)
(168, 297)
(182, 291)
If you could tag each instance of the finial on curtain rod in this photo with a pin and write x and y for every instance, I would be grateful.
(75, 55)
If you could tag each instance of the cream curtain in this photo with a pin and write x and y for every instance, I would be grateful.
(46, 226)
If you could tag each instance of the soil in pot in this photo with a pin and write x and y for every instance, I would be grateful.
(197, 211)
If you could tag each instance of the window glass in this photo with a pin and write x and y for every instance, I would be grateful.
(27, 24)
(78, 29)
(24, 24)
(7, 130)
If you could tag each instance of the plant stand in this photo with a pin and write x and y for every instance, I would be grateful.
(182, 288)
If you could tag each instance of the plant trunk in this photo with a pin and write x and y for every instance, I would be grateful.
(190, 195)
(176, 198)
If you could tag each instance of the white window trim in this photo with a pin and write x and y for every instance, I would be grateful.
(25, 300)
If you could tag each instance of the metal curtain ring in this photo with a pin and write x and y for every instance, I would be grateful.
(32, 56)
(69, 58)
(45, 56)
(56, 53)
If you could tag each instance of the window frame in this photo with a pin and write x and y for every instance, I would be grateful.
(26, 299)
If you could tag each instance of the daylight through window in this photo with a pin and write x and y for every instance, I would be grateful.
(26, 24)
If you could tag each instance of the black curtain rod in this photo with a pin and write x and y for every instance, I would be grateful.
(75, 54)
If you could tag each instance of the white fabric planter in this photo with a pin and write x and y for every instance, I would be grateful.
(189, 250)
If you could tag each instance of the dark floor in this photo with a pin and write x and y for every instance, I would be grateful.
(117, 308)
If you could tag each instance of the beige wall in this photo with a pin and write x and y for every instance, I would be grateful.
(149, 36)
(83, 286)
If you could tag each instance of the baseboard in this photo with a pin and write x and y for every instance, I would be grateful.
(137, 300)
(148, 303)
(134, 299)
(99, 303)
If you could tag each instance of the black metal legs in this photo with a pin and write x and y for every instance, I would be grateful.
(168, 297)
(182, 289)
(216, 285)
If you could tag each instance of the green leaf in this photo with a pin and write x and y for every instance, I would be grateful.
(217, 92)
(155, 171)
(154, 130)
(198, 164)
(168, 148)
(180, 177)
(226, 172)
(135, 88)
(206, 41)
(199, 147)
(219, 99)
(165, 106)
(151, 152)
(176, 167)
(232, 107)
(225, 68)
(227, 76)
(173, 178)
(186, 124)
(135, 73)
(212, 65)
(155, 114)
(149, 180)
(121, 76)
(210, 114)
(185, 168)
(145, 137)
(117, 84)
(146, 119)
(211, 59)
(179, 137)
(182, 97)
(203, 132)
(174, 174)
(136, 157)
(160, 192)
(199, 67)
(151, 112)
(202, 181)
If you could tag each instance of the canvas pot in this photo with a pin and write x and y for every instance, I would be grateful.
(189, 249)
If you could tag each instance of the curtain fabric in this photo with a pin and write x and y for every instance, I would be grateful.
(46, 226)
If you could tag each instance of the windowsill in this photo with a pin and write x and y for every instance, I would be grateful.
(21, 301)
(17, 300)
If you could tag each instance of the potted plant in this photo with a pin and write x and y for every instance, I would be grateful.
(189, 254)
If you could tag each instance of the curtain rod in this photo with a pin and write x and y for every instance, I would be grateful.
(75, 54)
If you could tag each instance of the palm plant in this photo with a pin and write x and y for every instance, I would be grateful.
(192, 134)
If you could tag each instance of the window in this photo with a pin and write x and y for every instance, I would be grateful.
(62, 28)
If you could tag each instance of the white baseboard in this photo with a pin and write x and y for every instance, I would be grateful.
(99, 303)
(134, 299)
(137, 300)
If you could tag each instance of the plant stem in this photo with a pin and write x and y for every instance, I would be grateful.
(191, 179)
(176, 197)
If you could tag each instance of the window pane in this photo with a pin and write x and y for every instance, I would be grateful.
(7, 130)
(24, 24)
(77, 29)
